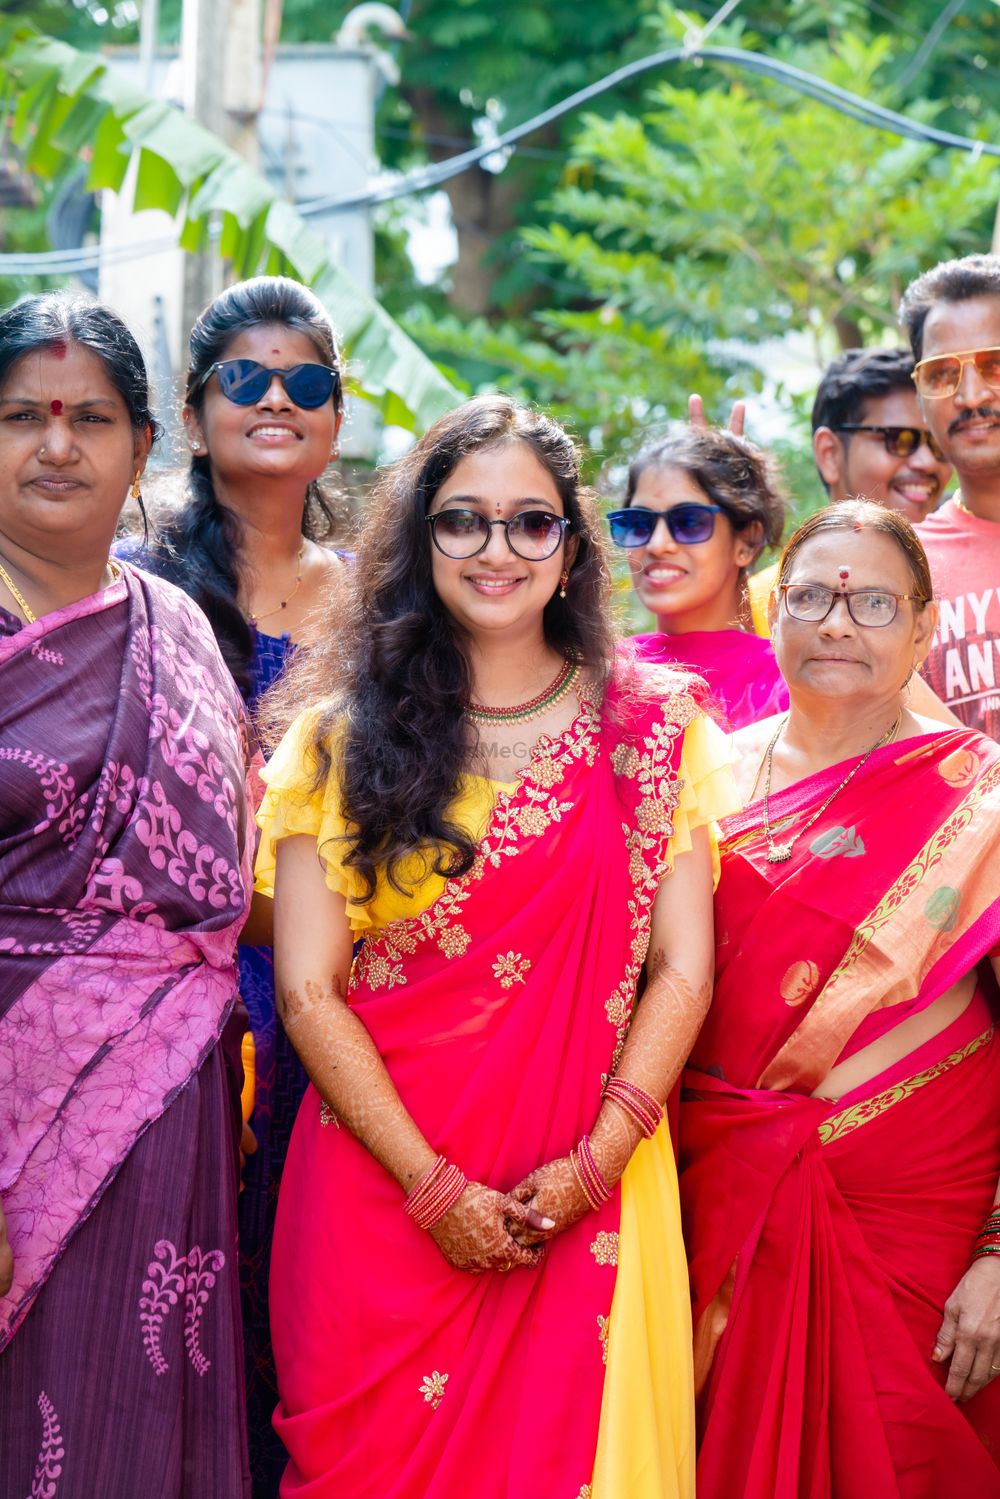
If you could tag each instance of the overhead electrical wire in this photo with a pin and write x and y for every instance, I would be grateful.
(427, 178)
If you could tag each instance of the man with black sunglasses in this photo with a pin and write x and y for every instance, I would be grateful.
(952, 317)
(870, 437)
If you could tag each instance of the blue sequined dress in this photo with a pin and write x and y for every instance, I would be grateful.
(281, 1082)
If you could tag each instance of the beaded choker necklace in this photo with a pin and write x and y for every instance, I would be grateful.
(479, 714)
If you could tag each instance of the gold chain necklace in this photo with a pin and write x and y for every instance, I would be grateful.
(255, 619)
(777, 853)
(29, 616)
(17, 595)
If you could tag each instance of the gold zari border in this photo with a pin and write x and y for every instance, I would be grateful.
(848, 1120)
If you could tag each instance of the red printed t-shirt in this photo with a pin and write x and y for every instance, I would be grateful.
(964, 662)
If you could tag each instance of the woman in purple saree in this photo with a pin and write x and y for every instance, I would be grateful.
(123, 884)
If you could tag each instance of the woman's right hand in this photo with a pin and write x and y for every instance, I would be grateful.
(474, 1234)
(6, 1258)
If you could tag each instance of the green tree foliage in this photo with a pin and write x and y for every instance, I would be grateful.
(71, 105)
(687, 239)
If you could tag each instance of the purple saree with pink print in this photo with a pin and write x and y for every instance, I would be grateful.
(124, 871)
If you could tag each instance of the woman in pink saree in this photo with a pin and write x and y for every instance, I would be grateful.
(699, 508)
(124, 874)
(840, 1130)
(477, 1283)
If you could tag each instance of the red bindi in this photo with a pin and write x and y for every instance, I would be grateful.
(56, 408)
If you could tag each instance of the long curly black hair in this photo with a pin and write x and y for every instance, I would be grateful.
(198, 545)
(392, 681)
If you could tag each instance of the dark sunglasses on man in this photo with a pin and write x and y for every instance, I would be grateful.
(688, 524)
(244, 382)
(901, 442)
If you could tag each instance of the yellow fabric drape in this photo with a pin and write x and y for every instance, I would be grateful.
(759, 586)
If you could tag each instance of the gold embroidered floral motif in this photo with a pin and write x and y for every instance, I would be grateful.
(510, 968)
(454, 941)
(848, 1120)
(380, 971)
(432, 1388)
(327, 1116)
(654, 814)
(528, 812)
(586, 1492)
(603, 1329)
(625, 760)
(605, 1248)
(648, 761)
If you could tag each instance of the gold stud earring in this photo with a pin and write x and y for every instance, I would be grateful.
(562, 583)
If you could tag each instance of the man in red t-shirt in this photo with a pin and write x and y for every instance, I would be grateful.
(952, 317)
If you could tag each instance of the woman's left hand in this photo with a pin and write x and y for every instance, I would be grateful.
(553, 1190)
(970, 1332)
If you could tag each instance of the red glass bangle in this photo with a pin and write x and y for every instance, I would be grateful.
(636, 1102)
(435, 1194)
(595, 1188)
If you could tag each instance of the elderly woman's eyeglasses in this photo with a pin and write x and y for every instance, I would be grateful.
(245, 381)
(533, 535)
(868, 607)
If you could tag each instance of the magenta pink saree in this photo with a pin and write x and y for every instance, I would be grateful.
(498, 1011)
(124, 862)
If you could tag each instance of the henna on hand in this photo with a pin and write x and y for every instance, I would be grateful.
(554, 1190)
(349, 1074)
(477, 1233)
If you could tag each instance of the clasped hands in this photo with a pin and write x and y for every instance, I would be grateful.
(489, 1230)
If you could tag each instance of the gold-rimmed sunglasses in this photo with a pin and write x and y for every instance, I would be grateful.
(941, 375)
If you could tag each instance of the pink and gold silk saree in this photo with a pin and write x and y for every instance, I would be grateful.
(498, 1009)
(825, 1235)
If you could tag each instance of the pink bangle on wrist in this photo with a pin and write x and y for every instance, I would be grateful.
(592, 1183)
(636, 1102)
(435, 1194)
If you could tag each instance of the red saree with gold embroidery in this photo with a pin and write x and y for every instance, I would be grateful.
(825, 1236)
(497, 1010)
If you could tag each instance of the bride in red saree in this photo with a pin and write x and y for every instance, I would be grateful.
(512, 871)
(840, 1130)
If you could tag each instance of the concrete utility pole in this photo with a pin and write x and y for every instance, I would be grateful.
(220, 87)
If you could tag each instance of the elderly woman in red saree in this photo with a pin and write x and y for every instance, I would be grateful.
(840, 1134)
(124, 876)
(477, 1282)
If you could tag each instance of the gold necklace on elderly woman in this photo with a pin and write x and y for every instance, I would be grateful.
(777, 853)
(17, 595)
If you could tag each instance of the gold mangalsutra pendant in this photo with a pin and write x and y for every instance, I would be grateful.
(779, 852)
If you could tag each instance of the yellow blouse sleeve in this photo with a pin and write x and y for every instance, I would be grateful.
(293, 804)
(708, 792)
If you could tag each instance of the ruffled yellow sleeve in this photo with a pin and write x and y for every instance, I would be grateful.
(293, 804)
(708, 791)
